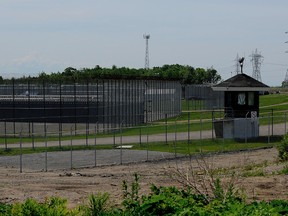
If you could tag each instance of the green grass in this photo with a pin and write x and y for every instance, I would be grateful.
(179, 147)
(17, 151)
(268, 100)
(204, 146)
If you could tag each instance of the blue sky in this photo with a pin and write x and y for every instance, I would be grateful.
(50, 35)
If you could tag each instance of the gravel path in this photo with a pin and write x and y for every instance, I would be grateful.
(78, 159)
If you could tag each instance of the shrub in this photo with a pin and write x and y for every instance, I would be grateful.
(283, 148)
(5, 209)
(98, 203)
(131, 197)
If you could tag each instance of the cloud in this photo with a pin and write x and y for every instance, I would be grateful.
(30, 64)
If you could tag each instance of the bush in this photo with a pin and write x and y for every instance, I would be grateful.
(5, 209)
(283, 149)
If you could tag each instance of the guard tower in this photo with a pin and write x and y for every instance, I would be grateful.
(241, 106)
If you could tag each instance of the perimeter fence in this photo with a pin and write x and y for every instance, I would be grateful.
(108, 102)
(70, 147)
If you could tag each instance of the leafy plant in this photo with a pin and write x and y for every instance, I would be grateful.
(53, 206)
(5, 209)
(29, 207)
(56, 206)
(131, 198)
(161, 201)
(283, 148)
(284, 170)
(97, 204)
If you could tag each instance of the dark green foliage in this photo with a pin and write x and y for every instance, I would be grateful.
(52, 207)
(184, 73)
(98, 203)
(30, 207)
(283, 148)
(170, 201)
(5, 209)
(281, 206)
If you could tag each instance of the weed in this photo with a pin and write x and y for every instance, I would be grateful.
(131, 198)
(253, 173)
(284, 170)
(204, 181)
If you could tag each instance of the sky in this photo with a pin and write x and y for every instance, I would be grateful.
(51, 35)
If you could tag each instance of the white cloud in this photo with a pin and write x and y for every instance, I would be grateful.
(30, 64)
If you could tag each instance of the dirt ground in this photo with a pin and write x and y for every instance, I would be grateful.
(257, 173)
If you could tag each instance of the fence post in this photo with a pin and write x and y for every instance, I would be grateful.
(140, 135)
(189, 127)
(45, 138)
(212, 121)
(60, 134)
(21, 152)
(114, 137)
(147, 142)
(201, 127)
(95, 144)
(285, 119)
(272, 121)
(246, 129)
(60, 113)
(5, 135)
(13, 98)
(175, 139)
(268, 128)
(121, 142)
(223, 141)
(166, 129)
(33, 141)
(71, 150)
(87, 133)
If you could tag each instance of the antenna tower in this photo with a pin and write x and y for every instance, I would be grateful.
(146, 37)
(237, 65)
(256, 59)
(285, 82)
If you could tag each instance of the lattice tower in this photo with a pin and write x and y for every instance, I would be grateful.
(146, 37)
(237, 65)
(256, 59)
(285, 82)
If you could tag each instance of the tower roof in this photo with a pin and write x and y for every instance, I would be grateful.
(241, 82)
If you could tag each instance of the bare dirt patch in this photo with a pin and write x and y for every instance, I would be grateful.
(77, 184)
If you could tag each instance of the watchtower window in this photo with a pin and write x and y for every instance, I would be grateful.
(241, 99)
(250, 98)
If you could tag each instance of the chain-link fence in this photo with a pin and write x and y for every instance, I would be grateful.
(191, 133)
(110, 103)
(202, 97)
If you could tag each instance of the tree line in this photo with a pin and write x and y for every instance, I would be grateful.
(184, 73)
